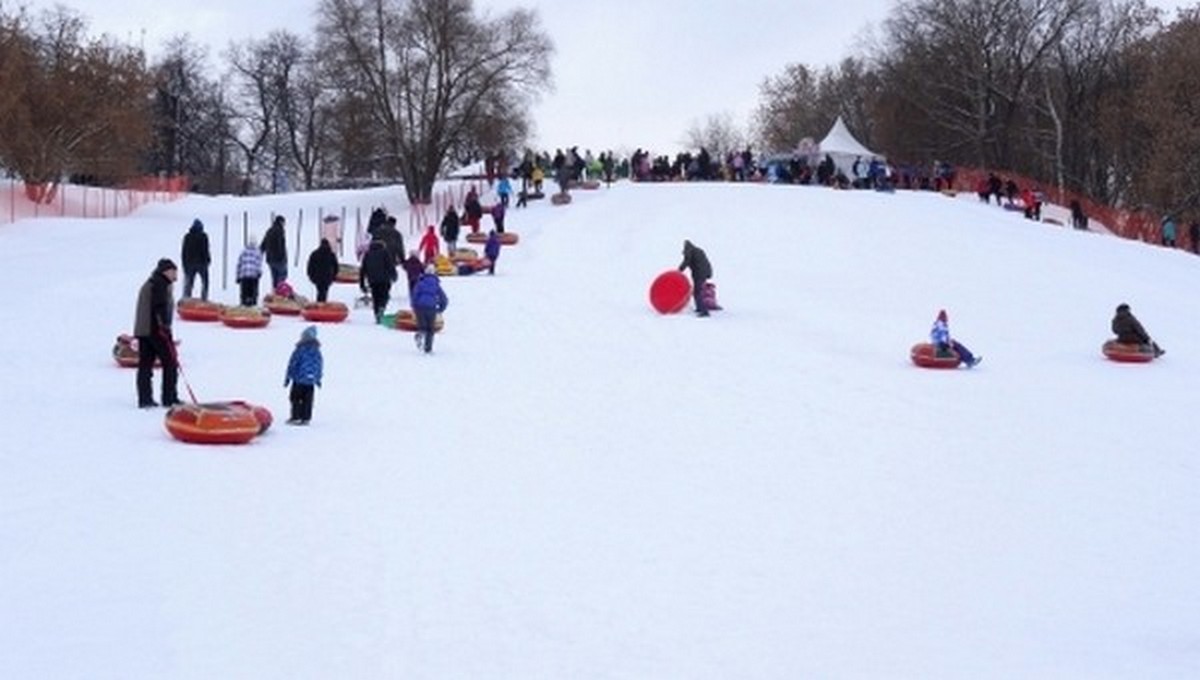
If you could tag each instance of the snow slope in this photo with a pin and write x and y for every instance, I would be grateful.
(573, 486)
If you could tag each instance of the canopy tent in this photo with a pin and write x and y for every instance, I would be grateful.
(473, 171)
(844, 149)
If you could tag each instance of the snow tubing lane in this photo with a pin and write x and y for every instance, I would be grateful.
(347, 273)
(325, 312)
(405, 320)
(507, 238)
(230, 422)
(245, 317)
(277, 304)
(195, 309)
(670, 292)
(1126, 353)
(925, 355)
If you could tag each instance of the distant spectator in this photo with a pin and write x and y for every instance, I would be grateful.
(1078, 219)
(1194, 236)
(1168, 231)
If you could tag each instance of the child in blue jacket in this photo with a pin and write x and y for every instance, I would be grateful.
(939, 335)
(304, 372)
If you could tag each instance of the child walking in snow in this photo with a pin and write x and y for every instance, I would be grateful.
(304, 373)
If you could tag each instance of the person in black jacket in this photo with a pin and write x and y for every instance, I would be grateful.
(152, 326)
(1130, 331)
(449, 229)
(695, 259)
(196, 258)
(378, 271)
(274, 248)
(323, 269)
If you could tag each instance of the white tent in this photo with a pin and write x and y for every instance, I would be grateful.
(844, 148)
(473, 171)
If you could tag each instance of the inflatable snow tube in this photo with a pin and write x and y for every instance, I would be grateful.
(462, 255)
(125, 352)
(1127, 353)
(507, 238)
(325, 312)
(444, 266)
(561, 198)
(587, 184)
(195, 309)
(245, 317)
(225, 422)
(925, 355)
(670, 292)
(347, 273)
(277, 304)
(405, 320)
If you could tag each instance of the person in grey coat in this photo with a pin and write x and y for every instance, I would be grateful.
(152, 327)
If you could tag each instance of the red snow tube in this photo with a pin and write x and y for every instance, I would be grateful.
(195, 309)
(670, 292)
(326, 312)
(225, 422)
(1127, 353)
(245, 317)
(561, 198)
(278, 304)
(125, 352)
(925, 355)
(507, 238)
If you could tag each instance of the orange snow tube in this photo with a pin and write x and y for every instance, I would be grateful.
(286, 306)
(407, 321)
(1127, 353)
(925, 355)
(195, 309)
(507, 238)
(226, 422)
(245, 317)
(325, 312)
(347, 273)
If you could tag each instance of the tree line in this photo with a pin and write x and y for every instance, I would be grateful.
(1095, 96)
(395, 89)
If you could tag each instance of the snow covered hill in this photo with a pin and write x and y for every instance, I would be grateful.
(573, 486)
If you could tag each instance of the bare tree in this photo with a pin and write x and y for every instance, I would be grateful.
(255, 109)
(428, 69)
(718, 134)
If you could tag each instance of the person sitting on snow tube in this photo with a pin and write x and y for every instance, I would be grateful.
(939, 335)
(1129, 331)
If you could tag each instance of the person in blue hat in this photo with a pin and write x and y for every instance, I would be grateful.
(304, 371)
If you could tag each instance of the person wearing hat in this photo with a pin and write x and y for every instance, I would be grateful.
(1130, 331)
(152, 326)
(939, 335)
(249, 271)
(274, 248)
(305, 369)
(696, 260)
(195, 259)
(428, 300)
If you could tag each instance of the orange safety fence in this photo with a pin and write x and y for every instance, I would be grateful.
(1139, 225)
(22, 200)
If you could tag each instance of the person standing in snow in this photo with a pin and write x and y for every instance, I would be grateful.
(152, 326)
(428, 300)
(939, 335)
(696, 260)
(504, 189)
(274, 247)
(378, 271)
(1129, 330)
(429, 245)
(304, 371)
(249, 271)
(195, 257)
(491, 250)
(472, 210)
(323, 269)
(449, 229)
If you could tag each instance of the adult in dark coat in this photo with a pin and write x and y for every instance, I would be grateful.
(696, 260)
(392, 239)
(449, 230)
(1130, 331)
(472, 211)
(274, 248)
(196, 258)
(378, 271)
(152, 326)
(323, 269)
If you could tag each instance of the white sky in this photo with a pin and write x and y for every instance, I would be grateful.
(627, 72)
(573, 486)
